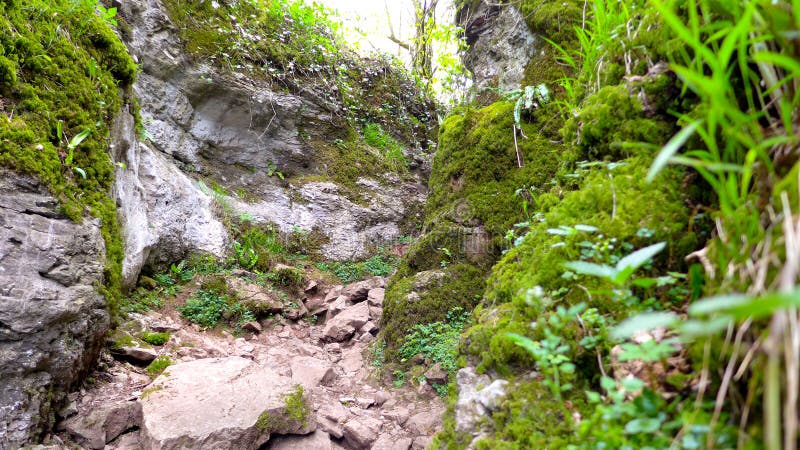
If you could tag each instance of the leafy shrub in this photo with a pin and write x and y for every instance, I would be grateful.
(352, 271)
(392, 150)
(209, 308)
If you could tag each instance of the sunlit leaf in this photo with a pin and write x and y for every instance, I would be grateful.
(587, 268)
(643, 322)
(638, 258)
(671, 149)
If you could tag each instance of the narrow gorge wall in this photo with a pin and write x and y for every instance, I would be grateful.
(178, 153)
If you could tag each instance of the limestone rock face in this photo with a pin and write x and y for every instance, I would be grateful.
(235, 131)
(165, 215)
(52, 318)
(224, 403)
(501, 45)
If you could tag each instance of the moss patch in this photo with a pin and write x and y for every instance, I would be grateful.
(62, 63)
(538, 260)
(296, 414)
(610, 118)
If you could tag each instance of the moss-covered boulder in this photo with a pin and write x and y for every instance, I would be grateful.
(627, 212)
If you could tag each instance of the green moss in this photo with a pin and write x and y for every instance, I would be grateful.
(612, 117)
(289, 276)
(553, 20)
(155, 338)
(158, 366)
(296, 413)
(121, 339)
(427, 298)
(61, 62)
(539, 262)
(471, 205)
(476, 171)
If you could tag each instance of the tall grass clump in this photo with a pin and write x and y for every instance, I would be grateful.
(741, 60)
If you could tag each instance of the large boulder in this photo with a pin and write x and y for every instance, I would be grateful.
(223, 403)
(52, 316)
(344, 325)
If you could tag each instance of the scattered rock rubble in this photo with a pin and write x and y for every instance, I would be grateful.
(226, 392)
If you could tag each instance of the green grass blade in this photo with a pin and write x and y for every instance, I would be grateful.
(669, 150)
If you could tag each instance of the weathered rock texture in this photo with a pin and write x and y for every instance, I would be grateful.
(164, 214)
(233, 131)
(224, 403)
(52, 318)
(501, 45)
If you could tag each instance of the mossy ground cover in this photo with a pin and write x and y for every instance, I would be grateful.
(61, 62)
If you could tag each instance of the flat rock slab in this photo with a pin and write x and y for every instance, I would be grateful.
(221, 403)
(104, 424)
(318, 440)
(311, 372)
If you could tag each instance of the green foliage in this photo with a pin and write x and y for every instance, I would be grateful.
(158, 366)
(209, 308)
(296, 413)
(438, 342)
(610, 118)
(392, 150)
(427, 299)
(60, 63)
(142, 300)
(289, 276)
(295, 44)
(155, 338)
(351, 271)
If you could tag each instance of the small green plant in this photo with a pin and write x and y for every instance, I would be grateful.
(72, 144)
(272, 170)
(158, 365)
(624, 269)
(440, 389)
(376, 137)
(399, 378)
(155, 338)
(210, 307)
(437, 341)
(352, 271)
(181, 271)
(377, 354)
(246, 256)
(448, 257)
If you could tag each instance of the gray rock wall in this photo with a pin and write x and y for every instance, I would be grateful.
(52, 318)
(501, 45)
(204, 124)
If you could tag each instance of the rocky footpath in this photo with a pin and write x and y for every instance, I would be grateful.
(308, 383)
